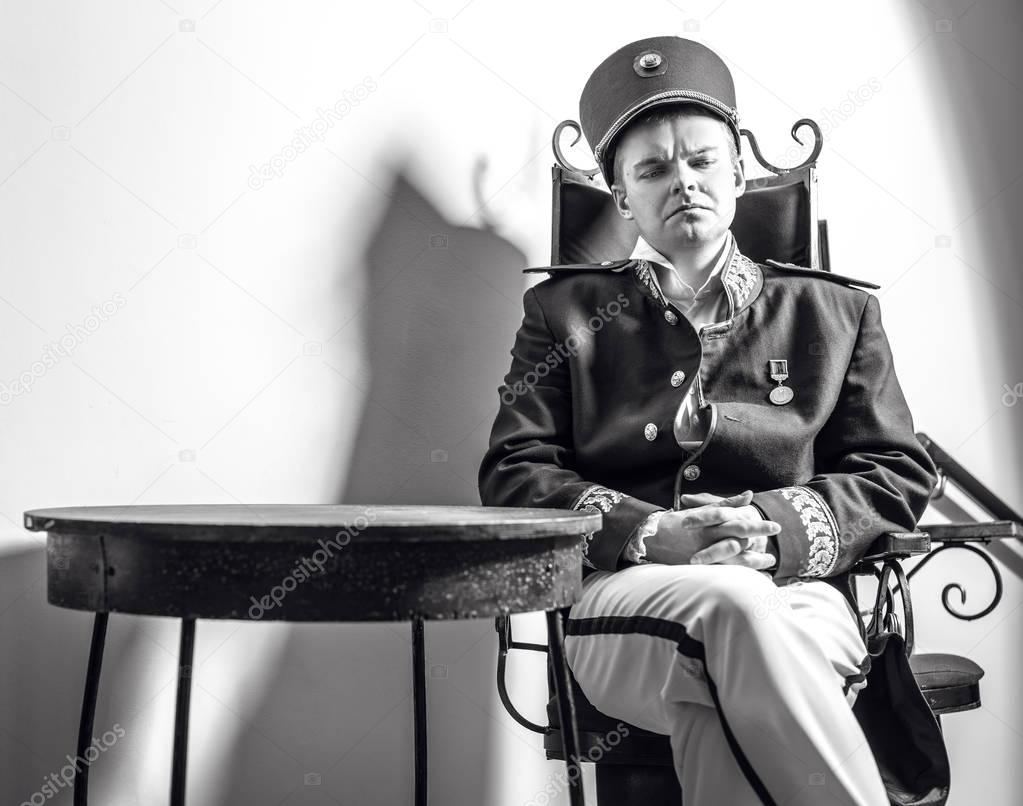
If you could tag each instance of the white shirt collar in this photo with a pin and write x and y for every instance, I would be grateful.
(644, 251)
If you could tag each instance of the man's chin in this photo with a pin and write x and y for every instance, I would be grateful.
(689, 237)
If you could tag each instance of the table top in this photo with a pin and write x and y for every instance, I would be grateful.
(316, 562)
(388, 522)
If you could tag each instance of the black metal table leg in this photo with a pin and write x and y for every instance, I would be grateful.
(179, 760)
(99, 636)
(566, 708)
(419, 708)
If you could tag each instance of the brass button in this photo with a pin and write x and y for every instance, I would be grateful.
(670, 317)
(650, 432)
(650, 60)
(691, 473)
(678, 377)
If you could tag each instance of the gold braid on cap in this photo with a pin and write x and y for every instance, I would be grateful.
(663, 97)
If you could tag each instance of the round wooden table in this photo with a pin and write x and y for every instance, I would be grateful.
(297, 562)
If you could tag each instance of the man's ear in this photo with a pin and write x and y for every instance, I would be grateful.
(621, 200)
(740, 178)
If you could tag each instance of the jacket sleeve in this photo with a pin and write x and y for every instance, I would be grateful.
(873, 476)
(530, 459)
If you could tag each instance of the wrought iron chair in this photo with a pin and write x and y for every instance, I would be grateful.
(776, 218)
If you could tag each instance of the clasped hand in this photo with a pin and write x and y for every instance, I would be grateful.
(712, 529)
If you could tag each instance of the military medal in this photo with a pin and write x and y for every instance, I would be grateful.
(781, 394)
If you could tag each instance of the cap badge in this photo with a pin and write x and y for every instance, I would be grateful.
(649, 63)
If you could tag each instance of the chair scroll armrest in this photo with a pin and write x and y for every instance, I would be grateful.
(963, 537)
(982, 532)
(889, 549)
(897, 545)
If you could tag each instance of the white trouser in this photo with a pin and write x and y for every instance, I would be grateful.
(753, 681)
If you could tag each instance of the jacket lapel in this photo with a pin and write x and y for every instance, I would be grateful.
(743, 281)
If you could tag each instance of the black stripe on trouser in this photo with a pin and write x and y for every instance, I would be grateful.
(857, 678)
(688, 646)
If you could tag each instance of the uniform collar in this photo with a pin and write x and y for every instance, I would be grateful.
(741, 277)
(711, 285)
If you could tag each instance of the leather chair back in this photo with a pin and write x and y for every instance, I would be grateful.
(774, 218)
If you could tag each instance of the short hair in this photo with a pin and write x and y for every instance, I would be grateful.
(665, 114)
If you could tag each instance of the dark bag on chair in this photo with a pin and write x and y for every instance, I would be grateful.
(903, 733)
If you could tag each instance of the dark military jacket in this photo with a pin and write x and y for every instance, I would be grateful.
(599, 368)
(588, 406)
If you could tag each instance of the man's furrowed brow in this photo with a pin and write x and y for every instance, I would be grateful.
(656, 159)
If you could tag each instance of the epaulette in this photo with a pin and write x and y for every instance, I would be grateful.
(824, 275)
(606, 265)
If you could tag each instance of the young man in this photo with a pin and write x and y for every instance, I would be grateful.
(741, 429)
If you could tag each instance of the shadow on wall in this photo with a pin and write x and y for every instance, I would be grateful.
(981, 120)
(441, 303)
(982, 104)
(42, 676)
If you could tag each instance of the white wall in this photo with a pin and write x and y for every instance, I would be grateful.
(302, 338)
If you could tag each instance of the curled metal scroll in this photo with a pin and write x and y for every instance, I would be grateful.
(883, 615)
(947, 590)
(559, 155)
(817, 146)
(503, 626)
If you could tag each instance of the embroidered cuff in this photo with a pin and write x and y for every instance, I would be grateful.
(621, 513)
(808, 541)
